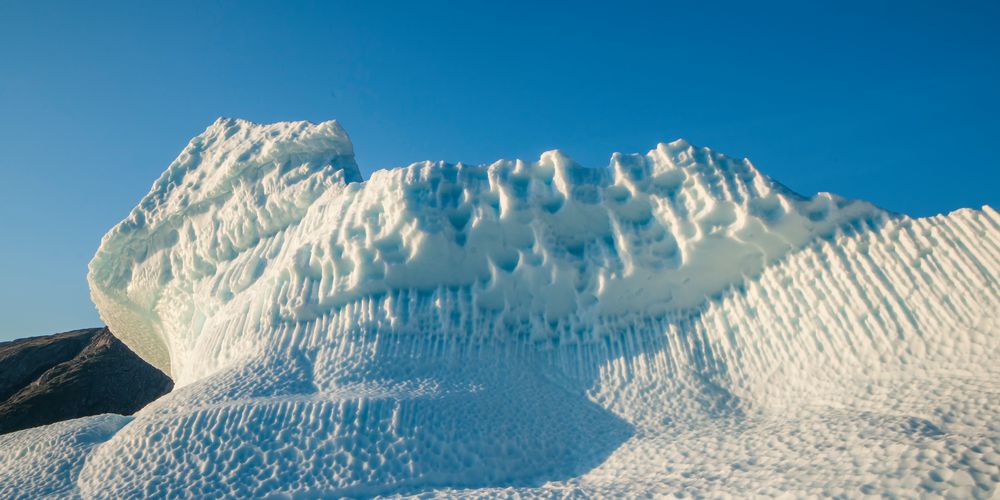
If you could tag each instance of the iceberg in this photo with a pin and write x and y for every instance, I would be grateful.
(675, 322)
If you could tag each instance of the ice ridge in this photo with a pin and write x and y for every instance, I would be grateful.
(264, 221)
(675, 323)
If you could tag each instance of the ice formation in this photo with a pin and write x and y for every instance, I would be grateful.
(677, 322)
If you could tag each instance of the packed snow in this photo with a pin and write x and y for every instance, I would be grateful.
(676, 323)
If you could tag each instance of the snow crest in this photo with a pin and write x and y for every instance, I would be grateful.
(675, 322)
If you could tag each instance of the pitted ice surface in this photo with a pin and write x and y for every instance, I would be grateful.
(677, 322)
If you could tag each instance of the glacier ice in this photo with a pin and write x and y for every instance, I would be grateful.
(676, 322)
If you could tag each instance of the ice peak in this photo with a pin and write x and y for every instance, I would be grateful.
(679, 143)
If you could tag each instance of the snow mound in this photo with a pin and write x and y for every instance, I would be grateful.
(677, 322)
(44, 462)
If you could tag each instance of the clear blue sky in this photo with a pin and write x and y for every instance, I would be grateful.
(897, 103)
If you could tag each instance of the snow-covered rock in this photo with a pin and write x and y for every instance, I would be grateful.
(677, 321)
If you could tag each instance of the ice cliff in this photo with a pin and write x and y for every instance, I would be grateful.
(677, 321)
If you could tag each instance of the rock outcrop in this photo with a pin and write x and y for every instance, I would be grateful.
(70, 375)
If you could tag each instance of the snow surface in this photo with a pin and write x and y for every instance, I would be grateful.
(44, 462)
(677, 322)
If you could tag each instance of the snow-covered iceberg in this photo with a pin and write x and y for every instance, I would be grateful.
(676, 322)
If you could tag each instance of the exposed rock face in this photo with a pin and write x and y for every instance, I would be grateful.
(70, 375)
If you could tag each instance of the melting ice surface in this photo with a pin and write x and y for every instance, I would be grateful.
(677, 322)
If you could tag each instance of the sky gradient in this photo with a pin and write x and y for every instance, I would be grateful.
(897, 103)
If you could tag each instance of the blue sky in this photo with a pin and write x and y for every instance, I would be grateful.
(897, 103)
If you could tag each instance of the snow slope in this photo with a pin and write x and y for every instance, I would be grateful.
(675, 322)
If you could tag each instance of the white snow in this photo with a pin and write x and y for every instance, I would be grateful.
(677, 322)
(44, 462)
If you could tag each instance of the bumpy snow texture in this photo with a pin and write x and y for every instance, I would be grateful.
(677, 322)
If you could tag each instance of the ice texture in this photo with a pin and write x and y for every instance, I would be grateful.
(676, 322)
(45, 462)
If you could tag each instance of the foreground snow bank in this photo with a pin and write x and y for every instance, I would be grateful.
(678, 321)
(45, 462)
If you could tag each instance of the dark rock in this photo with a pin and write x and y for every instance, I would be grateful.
(23, 361)
(71, 375)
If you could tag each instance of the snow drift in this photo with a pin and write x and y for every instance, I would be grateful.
(675, 322)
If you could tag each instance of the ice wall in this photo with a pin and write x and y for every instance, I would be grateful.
(257, 227)
(675, 322)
